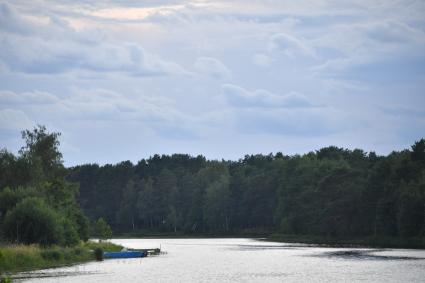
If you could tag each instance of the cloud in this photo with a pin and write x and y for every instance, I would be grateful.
(30, 98)
(211, 67)
(157, 114)
(262, 60)
(404, 112)
(289, 44)
(375, 41)
(240, 97)
(291, 122)
(11, 119)
(391, 31)
(55, 47)
(11, 22)
(320, 72)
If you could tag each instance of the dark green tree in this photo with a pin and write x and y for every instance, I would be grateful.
(32, 221)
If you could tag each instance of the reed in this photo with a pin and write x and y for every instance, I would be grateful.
(15, 258)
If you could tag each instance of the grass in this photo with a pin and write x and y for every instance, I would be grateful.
(16, 258)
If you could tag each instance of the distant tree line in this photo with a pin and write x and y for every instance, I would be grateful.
(331, 192)
(37, 203)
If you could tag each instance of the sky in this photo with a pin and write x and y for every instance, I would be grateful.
(123, 80)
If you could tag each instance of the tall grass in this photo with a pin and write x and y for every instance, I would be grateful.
(21, 257)
(15, 258)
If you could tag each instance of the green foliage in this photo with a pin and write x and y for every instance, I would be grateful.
(82, 224)
(32, 221)
(218, 203)
(10, 197)
(51, 254)
(70, 234)
(104, 245)
(103, 230)
(17, 258)
(42, 148)
(333, 192)
(37, 204)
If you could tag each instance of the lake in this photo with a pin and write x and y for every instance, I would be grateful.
(245, 260)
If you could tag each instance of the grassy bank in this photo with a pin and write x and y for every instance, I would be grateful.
(16, 258)
(375, 242)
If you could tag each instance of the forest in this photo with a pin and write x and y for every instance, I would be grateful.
(333, 192)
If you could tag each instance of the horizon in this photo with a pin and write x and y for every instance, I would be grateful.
(136, 161)
(221, 79)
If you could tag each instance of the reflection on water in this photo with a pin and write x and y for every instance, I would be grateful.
(55, 274)
(244, 260)
(367, 254)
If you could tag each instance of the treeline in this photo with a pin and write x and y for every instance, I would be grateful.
(330, 192)
(37, 203)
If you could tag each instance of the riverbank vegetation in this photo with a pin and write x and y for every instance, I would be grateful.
(28, 257)
(37, 204)
(331, 193)
(15, 258)
(41, 223)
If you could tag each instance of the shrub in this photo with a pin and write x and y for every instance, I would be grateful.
(70, 234)
(32, 221)
(103, 230)
(51, 254)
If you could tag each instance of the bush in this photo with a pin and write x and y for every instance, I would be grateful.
(51, 255)
(82, 223)
(70, 234)
(78, 251)
(32, 221)
(103, 230)
(106, 246)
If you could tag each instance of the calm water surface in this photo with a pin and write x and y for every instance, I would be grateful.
(245, 260)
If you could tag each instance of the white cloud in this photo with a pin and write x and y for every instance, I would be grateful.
(211, 67)
(300, 68)
(376, 40)
(95, 106)
(54, 47)
(314, 122)
(11, 119)
(31, 98)
(262, 60)
(240, 97)
(289, 44)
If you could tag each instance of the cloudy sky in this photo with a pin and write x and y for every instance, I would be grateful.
(123, 81)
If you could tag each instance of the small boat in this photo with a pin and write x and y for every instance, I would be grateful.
(125, 254)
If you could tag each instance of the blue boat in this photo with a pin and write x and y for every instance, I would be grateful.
(125, 254)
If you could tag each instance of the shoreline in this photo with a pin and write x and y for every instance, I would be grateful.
(15, 259)
(359, 242)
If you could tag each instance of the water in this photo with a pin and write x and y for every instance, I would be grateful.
(245, 260)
